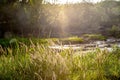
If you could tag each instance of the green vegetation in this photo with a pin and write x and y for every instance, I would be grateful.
(28, 18)
(115, 31)
(71, 40)
(77, 40)
(14, 41)
(94, 37)
(38, 62)
(29, 56)
(68, 40)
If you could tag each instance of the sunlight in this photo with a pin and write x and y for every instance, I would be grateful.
(69, 1)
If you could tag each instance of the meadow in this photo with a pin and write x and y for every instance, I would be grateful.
(36, 61)
(59, 40)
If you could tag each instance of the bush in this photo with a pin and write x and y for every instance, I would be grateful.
(69, 40)
(12, 42)
(115, 31)
(94, 37)
(72, 40)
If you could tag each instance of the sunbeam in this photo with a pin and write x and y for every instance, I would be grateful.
(70, 1)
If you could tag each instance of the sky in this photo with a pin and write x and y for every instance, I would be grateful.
(70, 1)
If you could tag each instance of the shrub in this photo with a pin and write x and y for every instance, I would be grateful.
(12, 42)
(94, 37)
(72, 40)
(115, 31)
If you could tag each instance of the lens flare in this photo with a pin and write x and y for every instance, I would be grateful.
(70, 1)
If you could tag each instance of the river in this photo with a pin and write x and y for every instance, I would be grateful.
(108, 44)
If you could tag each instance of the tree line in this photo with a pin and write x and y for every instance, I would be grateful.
(28, 18)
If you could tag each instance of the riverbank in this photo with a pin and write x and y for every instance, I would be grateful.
(41, 61)
(107, 44)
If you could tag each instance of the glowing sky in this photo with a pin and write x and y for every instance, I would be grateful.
(70, 1)
(74, 1)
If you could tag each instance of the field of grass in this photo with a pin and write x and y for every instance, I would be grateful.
(38, 62)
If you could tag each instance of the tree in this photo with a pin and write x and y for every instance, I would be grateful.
(115, 31)
(18, 15)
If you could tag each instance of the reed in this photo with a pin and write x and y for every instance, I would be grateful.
(38, 62)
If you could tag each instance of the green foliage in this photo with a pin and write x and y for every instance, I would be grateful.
(12, 42)
(31, 63)
(4, 42)
(115, 31)
(94, 37)
(37, 62)
(33, 17)
(69, 40)
(72, 40)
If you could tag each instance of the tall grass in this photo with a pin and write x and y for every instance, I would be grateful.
(38, 62)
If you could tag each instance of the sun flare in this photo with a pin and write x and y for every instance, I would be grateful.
(68, 1)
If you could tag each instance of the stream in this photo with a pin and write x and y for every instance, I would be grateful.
(108, 44)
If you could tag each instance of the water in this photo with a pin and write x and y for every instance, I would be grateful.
(63, 47)
(103, 45)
